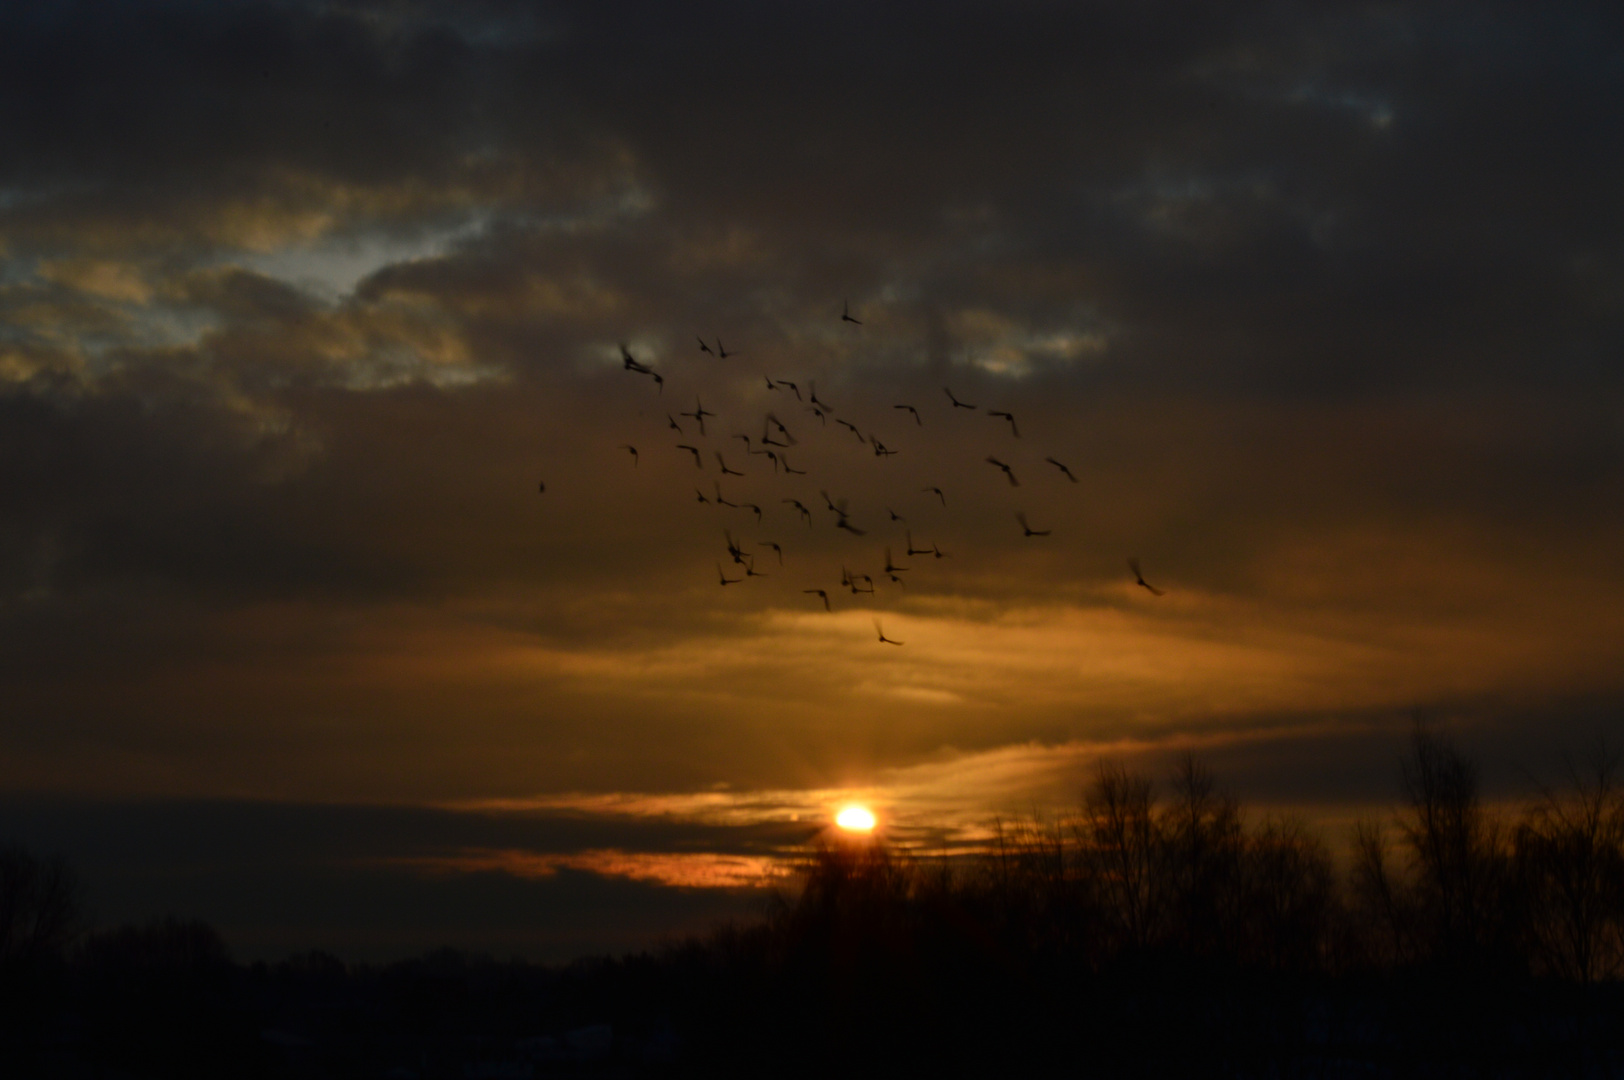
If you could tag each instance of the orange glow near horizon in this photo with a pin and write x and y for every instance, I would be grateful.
(856, 819)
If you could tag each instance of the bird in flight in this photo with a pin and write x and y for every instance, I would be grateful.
(752, 506)
(775, 547)
(1007, 416)
(1139, 579)
(770, 384)
(913, 410)
(541, 487)
(725, 579)
(633, 449)
(631, 364)
(782, 430)
(694, 450)
(939, 553)
(792, 386)
(845, 313)
(854, 431)
(882, 450)
(803, 510)
(725, 470)
(889, 567)
(719, 500)
(751, 571)
(822, 419)
(1062, 468)
(703, 347)
(734, 551)
(671, 421)
(787, 469)
(881, 631)
(938, 492)
(1020, 516)
(957, 404)
(813, 397)
(845, 523)
(896, 516)
(655, 375)
(721, 350)
(699, 414)
(701, 495)
(1007, 471)
(822, 594)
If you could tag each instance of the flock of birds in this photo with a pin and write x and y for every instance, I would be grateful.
(773, 446)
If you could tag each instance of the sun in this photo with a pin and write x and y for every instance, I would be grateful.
(856, 819)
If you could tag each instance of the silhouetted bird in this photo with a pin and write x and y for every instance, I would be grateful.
(633, 449)
(845, 313)
(694, 450)
(541, 488)
(882, 450)
(913, 550)
(721, 501)
(782, 430)
(734, 551)
(1062, 468)
(725, 579)
(896, 516)
(751, 571)
(889, 568)
(1020, 516)
(812, 397)
(939, 553)
(854, 431)
(672, 421)
(631, 364)
(721, 350)
(775, 547)
(1139, 579)
(787, 469)
(938, 492)
(752, 506)
(820, 593)
(792, 386)
(1007, 471)
(897, 580)
(845, 523)
(822, 419)
(699, 414)
(804, 511)
(884, 640)
(770, 384)
(703, 347)
(701, 495)
(913, 410)
(957, 404)
(1006, 416)
(725, 470)
(655, 375)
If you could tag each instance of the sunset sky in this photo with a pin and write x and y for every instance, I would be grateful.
(300, 303)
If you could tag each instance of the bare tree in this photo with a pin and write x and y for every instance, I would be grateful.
(39, 907)
(1123, 841)
(1570, 863)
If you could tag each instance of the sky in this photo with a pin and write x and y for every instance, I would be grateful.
(334, 609)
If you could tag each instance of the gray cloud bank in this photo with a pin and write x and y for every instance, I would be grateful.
(1321, 302)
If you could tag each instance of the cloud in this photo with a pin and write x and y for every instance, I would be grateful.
(302, 304)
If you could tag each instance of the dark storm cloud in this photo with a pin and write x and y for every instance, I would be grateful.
(280, 878)
(1321, 302)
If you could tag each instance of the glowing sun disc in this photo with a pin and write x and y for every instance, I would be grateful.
(855, 819)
